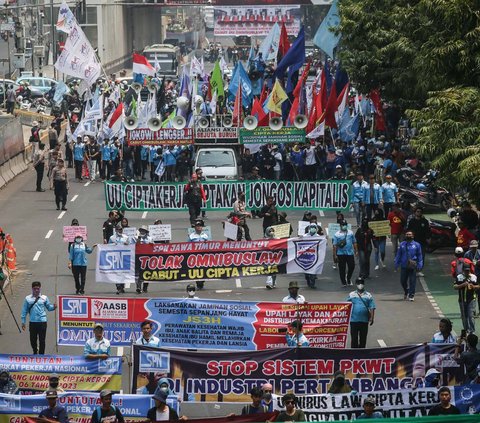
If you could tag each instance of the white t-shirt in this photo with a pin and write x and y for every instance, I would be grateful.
(289, 299)
(310, 156)
(161, 416)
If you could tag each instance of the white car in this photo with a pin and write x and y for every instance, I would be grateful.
(217, 163)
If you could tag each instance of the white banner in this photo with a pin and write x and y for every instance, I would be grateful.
(306, 255)
(115, 263)
(160, 232)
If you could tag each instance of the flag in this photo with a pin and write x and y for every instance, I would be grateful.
(240, 75)
(116, 119)
(185, 91)
(95, 110)
(283, 44)
(317, 132)
(160, 169)
(60, 90)
(342, 105)
(325, 39)
(341, 79)
(65, 19)
(115, 95)
(257, 110)
(349, 129)
(277, 97)
(195, 67)
(142, 66)
(216, 81)
(251, 55)
(269, 46)
(331, 109)
(293, 60)
(379, 117)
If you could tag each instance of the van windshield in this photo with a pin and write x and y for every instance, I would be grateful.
(215, 159)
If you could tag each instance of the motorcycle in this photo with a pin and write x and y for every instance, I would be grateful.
(442, 235)
(429, 197)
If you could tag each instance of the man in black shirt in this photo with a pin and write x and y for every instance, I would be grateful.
(421, 228)
(470, 358)
(444, 408)
(247, 162)
(54, 411)
(107, 413)
(468, 216)
(269, 213)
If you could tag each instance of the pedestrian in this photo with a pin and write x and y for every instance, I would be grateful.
(467, 286)
(119, 238)
(311, 278)
(142, 238)
(389, 194)
(34, 138)
(11, 99)
(36, 305)
(78, 157)
(444, 334)
(7, 384)
(362, 315)
(97, 347)
(54, 412)
(191, 292)
(464, 235)
(459, 263)
(78, 262)
(54, 383)
(107, 412)
(271, 279)
(473, 254)
(52, 161)
(170, 159)
(364, 238)
(291, 413)
(379, 242)
(293, 296)
(60, 184)
(161, 411)
(39, 165)
(147, 339)
(358, 187)
(421, 228)
(194, 195)
(369, 410)
(269, 213)
(109, 225)
(106, 163)
(92, 155)
(256, 406)
(372, 196)
(410, 260)
(267, 396)
(469, 358)
(198, 235)
(345, 249)
(201, 178)
(241, 212)
(397, 224)
(295, 337)
(52, 136)
(444, 408)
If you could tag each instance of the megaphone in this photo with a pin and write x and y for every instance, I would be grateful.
(130, 123)
(250, 122)
(227, 122)
(203, 122)
(275, 123)
(300, 121)
(198, 100)
(154, 124)
(182, 102)
(137, 87)
(152, 87)
(179, 122)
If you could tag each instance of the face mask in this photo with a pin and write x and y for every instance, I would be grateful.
(343, 228)
(191, 293)
(360, 286)
(313, 231)
(54, 384)
(78, 240)
(164, 389)
(409, 238)
(267, 396)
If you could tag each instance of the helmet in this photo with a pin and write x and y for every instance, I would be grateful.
(421, 187)
(459, 250)
(451, 213)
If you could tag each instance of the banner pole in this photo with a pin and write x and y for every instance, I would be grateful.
(56, 308)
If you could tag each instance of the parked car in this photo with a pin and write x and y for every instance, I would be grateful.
(38, 83)
(217, 163)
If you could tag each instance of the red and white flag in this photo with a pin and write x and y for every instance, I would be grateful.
(141, 65)
(116, 120)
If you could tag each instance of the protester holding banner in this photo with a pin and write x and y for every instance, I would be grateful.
(269, 213)
(37, 305)
(54, 411)
(256, 406)
(311, 278)
(295, 337)
(147, 338)
(78, 262)
(162, 411)
(291, 413)
(242, 214)
(198, 235)
(369, 410)
(107, 412)
(267, 399)
(444, 408)
(54, 383)
(363, 314)
(293, 296)
(344, 250)
(118, 238)
(142, 238)
(7, 384)
(97, 347)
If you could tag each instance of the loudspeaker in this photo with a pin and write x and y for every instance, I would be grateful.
(227, 122)
(179, 122)
(152, 87)
(130, 122)
(137, 87)
(300, 121)
(203, 122)
(250, 122)
(275, 123)
(154, 124)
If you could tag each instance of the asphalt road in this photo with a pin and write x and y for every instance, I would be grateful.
(30, 217)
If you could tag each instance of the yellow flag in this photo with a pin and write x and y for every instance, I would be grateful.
(277, 97)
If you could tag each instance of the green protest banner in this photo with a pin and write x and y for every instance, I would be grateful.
(289, 195)
(266, 135)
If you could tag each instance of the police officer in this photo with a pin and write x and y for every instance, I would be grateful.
(198, 235)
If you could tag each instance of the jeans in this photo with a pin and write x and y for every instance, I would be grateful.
(358, 333)
(92, 169)
(343, 262)
(364, 261)
(386, 209)
(78, 169)
(466, 312)
(128, 169)
(408, 279)
(380, 245)
(396, 239)
(40, 169)
(38, 330)
(358, 210)
(79, 275)
(369, 209)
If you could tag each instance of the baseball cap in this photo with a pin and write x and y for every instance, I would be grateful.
(458, 250)
(338, 167)
(293, 284)
(474, 243)
(54, 376)
(105, 393)
(434, 372)
(369, 400)
(51, 394)
(199, 223)
(98, 325)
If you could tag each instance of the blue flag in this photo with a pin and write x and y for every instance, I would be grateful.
(294, 59)
(328, 78)
(239, 74)
(324, 38)
(269, 46)
(341, 79)
(349, 128)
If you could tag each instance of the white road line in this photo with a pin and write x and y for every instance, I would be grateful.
(238, 282)
(382, 343)
(74, 198)
(321, 213)
(257, 287)
(49, 234)
(144, 215)
(37, 255)
(223, 291)
(127, 285)
(119, 351)
(86, 184)
(61, 215)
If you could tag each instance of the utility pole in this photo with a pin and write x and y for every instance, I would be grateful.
(54, 43)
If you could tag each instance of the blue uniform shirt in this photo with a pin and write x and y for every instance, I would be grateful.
(348, 249)
(377, 194)
(36, 309)
(106, 152)
(78, 152)
(360, 309)
(78, 254)
(389, 189)
(357, 191)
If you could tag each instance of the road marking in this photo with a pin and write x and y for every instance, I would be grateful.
(144, 215)
(238, 282)
(49, 234)
(223, 291)
(37, 255)
(257, 287)
(119, 351)
(61, 215)
(382, 343)
(74, 198)
(86, 184)
(127, 285)
(321, 213)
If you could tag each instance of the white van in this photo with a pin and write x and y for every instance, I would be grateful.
(217, 163)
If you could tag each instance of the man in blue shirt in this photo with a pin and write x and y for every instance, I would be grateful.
(78, 156)
(54, 411)
(344, 252)
(372, 196)
(363, 314)
(369, 410)
(37, 306)
(147, 338)
(357, 196)
(97, 347)
(389, 194)
(106, 168)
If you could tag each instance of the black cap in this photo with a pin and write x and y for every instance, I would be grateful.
(199, 222)
(342, 223)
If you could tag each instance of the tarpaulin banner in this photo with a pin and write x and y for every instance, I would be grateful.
(31, 372)
(266, 135)
(288, 195)
(255, 21)
(201, 324)
(115, 263)
(79, 405)
(229, 376)
(216, 132)
(229, 259)
(162, 136)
